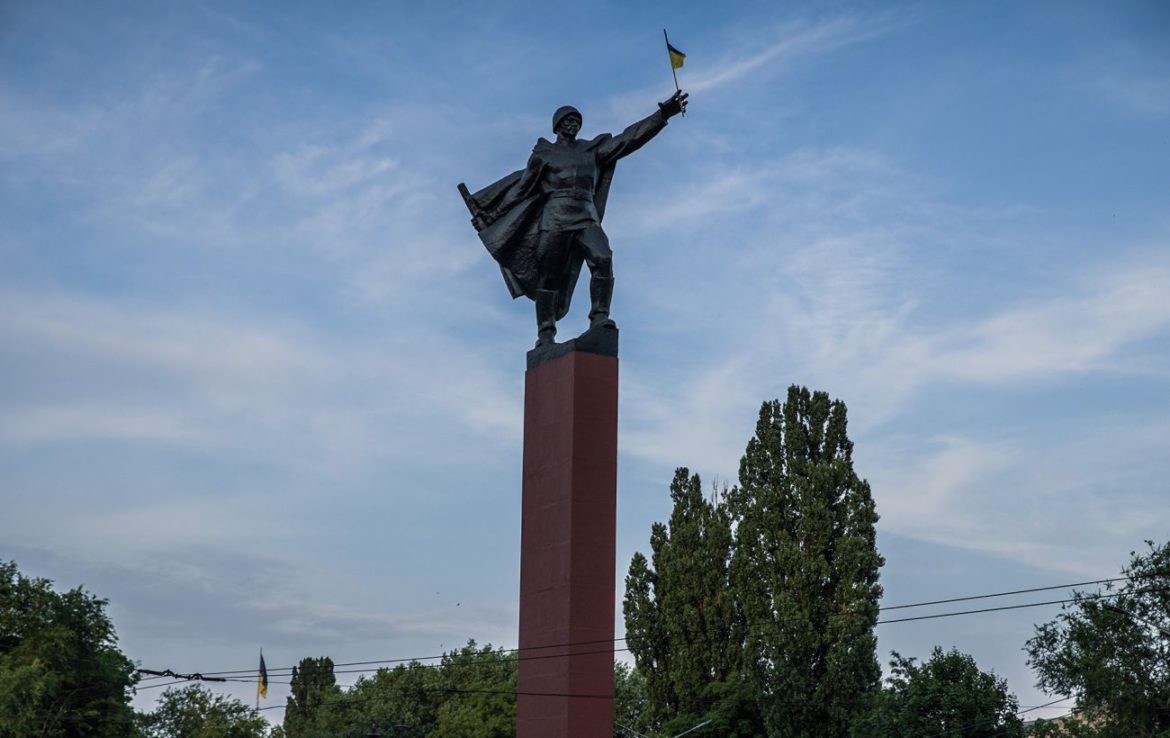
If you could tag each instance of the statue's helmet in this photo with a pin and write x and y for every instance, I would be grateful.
(564, 112)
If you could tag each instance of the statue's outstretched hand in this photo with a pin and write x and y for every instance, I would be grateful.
(675, 105)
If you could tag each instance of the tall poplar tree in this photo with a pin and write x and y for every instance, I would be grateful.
(313, 685)
(805, 568)
(757, 610)
(680, 615)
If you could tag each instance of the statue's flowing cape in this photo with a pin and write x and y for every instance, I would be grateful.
(514, 238)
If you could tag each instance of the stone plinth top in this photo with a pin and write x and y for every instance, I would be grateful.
(600, 341)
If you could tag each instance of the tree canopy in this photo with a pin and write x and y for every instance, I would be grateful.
(196, 712)
(766, 596)
(805, 567)
(681, 622)
(1112, 652)
(470, 693)
(61, 672)
(946, 697)
(313, 684)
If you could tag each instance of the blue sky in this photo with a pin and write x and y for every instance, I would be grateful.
(260, 385)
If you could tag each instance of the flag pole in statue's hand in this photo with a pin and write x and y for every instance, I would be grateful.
(676, 61)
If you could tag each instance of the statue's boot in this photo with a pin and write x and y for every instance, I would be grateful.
(546, 317)
(600, 293)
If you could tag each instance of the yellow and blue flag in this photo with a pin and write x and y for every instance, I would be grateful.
(262, 683)
(676, 57)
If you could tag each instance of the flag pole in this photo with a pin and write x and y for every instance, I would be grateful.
(673, 71)
(259, 678)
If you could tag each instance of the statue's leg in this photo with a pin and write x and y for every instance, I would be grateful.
(599, 257)
(552, 253)
(546, 317)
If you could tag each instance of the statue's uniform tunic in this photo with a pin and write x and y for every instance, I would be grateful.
(567, 175)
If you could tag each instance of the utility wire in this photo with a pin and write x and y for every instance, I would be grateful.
(1041, 707)
(286, 671)
(1006, 594)
(210, 676)
(196, 677)
(458, 690)
(1082, 598)
(234, 680)
(162, 684)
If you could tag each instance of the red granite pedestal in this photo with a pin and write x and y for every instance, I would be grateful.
(567, 547)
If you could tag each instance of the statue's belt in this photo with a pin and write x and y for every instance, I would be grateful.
(571, 194)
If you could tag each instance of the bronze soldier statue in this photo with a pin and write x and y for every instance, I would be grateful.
(541, 222)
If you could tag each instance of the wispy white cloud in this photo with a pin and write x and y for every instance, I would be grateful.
(796, 40)
(1132, 80)
(1147, 96)
(838, 296)
(91, 126)
(229, 363)
(699, 419)
(48, 423)
(310, 170)
(1063, 503)
(187, 376)
(328, 624)
(31, 130)
(771, 50)
(1081, 332)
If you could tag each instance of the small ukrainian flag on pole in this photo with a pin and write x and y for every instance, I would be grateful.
(676, 61)
(676, 58)
(262, 682)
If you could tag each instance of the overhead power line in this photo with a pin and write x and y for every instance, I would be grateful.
(196, 677)
(616, 650)
(527, 653)
(458, 690)
(287, 670)
(1006, 594)
(156, 685)
(1083, 598)
(535, 657)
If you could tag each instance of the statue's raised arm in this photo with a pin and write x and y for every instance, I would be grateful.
(542, 222)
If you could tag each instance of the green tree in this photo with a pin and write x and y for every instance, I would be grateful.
(681, 621)
(61, 673)
(196, 712)
(948, 697)
(403, 702)
(629, 700)
(756, 610)
(1070, 726)
(1113, 653)
(471, 693)
(734, 713)
(481, 701)
(313, 684)
(805, 568)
